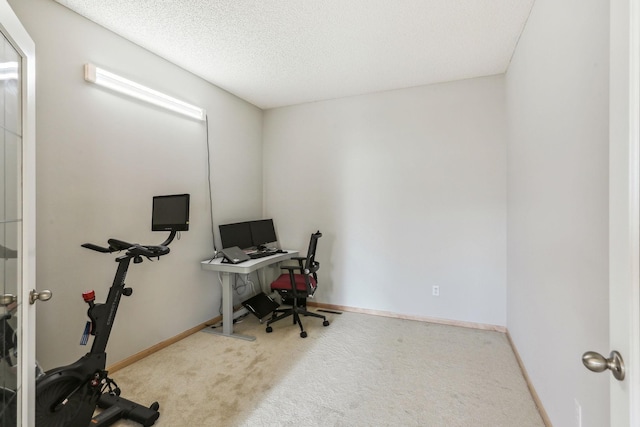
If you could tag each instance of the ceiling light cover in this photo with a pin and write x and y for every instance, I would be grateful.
(112, 81)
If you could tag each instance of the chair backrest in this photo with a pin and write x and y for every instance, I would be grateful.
(311, 265)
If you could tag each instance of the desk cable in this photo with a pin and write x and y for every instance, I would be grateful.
(213, 234)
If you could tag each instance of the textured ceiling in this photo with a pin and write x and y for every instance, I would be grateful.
(281, 52)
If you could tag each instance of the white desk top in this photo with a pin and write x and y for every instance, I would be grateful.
(247, 266)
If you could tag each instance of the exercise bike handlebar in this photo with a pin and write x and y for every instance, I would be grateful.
(133, 249)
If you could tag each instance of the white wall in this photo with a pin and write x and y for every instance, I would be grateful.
(100, 159)
(557, 305)
(408, 188)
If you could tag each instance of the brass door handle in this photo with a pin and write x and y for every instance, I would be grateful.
(597, 363)
(39, 296)
(7, 299)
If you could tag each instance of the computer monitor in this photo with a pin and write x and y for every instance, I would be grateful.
(170, 213)
(236, 234)
(262, 232)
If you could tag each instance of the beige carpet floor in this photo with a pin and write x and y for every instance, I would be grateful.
(362, 370)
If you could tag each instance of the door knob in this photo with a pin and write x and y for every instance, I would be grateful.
(7, 299)
(39, 296)
(597, 363)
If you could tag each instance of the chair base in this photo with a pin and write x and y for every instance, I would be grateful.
(302, 302)
(295, 311)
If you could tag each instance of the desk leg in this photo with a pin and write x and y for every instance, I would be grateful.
(263, 279)
(227, 311)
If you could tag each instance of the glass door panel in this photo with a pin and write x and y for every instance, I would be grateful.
(10, 227)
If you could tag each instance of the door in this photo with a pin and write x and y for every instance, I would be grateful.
(624, 212)
(17, 221)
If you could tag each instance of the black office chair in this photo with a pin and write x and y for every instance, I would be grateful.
(298, 287)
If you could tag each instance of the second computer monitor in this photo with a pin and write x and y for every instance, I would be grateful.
(262, 232)
(238, 234)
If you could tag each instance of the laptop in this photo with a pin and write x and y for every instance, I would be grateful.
(234, 255)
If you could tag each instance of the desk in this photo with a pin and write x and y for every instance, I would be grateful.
(227, 271)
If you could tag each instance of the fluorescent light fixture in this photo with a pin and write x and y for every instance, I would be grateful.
(107, 79)
(9, 70)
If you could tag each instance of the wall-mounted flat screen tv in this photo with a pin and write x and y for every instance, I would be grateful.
(170, 213)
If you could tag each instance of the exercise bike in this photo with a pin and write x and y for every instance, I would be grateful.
(68, 396)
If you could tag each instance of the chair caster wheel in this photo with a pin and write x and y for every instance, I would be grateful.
(303, 334)
(269, 329)
(325, 323)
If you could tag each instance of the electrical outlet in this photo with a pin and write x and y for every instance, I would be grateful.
(578, 413)
(436, 291)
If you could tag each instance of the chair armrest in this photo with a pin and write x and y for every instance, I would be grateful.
(293, 268)
(300, 260)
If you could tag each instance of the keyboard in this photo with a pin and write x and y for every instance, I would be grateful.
(256, 255)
